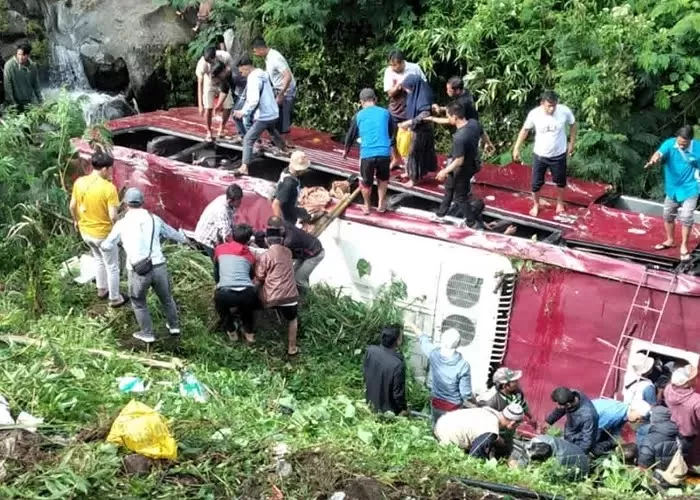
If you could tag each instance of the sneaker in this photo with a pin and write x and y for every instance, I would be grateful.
(145, 337)
(172, 331)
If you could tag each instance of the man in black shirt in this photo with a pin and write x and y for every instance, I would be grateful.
(284, 204)
(385, 373)
(456, 91)
(458, 173)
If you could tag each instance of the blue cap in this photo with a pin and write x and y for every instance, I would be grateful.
(133, 197)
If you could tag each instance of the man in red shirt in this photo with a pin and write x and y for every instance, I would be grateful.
(236, 296)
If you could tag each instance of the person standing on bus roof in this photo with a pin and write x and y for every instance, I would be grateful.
(374, 127)
(283, 82)
(394, 74)
(260, 106)
(549, 121)
(207, 90)
(681, 158)
(456, 91)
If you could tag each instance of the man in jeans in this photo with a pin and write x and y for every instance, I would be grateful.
(140, 232)
(457, 175)
(681, 157)
(260, 104)
(233, 272)
(375, 128)
(285, 87)
(215, 225)
(93, 205)
(549, 120)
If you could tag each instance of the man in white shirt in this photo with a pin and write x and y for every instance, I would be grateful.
(207, 91)
(476, 430)
(139, 232)
(549, 120)
(260, 104)
(283, 83)
(394, 74)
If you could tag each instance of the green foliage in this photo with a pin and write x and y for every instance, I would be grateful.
(176, 66)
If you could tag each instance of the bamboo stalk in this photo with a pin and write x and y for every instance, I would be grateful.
(175, 364)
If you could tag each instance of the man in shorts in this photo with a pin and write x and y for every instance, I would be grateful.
(549, 120)
(274, 273)
(681, 158)
(283, 82)
(207, 91)
(375, 128)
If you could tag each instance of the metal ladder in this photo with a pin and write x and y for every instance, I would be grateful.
(672, 279)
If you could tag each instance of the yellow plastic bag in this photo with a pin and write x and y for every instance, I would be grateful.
(403, 141)
(143, 430)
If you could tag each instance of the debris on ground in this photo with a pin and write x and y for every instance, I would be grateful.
(314, 199)
(28, 421)
(143, 430)
(131, 384)
(5, 416)
(135, 464)
(192, 388)
(83, 269)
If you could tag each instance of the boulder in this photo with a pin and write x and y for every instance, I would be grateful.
(117, 39)
(14, 25)
(28, 8)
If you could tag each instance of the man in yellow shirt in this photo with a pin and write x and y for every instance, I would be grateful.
(94, 205)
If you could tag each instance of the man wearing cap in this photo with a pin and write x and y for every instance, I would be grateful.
(612, 417)
(450, 374)
(638, 386)
(684, 403)
(274, 273)
(215, 225)
(139, 232)
(284, 204)
(374, 128)
(506, 390)
(476, 430)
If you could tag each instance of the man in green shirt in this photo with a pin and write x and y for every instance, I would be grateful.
(21, 79)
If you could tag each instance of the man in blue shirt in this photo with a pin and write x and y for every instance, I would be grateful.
(680, 156)
(612, 417)
(375, 128)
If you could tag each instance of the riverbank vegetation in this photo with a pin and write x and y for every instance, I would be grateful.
(629, 70)
(259, 399)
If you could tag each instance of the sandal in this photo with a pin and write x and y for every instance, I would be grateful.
(233, 336)
(209, 138)
(685, 257)
(238, 173)
(249, 338)
(381, 210)
(293, 354)
(366, 211)
(663, 246)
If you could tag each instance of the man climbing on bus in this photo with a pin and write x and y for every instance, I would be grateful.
(215, 225)
(680, 156)
(612, 417)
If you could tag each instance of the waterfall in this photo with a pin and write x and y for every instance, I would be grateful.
(67, 72)
(68, 69)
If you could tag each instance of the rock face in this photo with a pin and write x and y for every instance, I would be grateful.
(119, 41)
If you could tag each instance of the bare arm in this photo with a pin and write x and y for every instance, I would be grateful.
(277, 208)
(286, 81)
(113, 212)
(73, 207)
(200, 91)
(456, 164)
(522, 136)
(572, 138)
